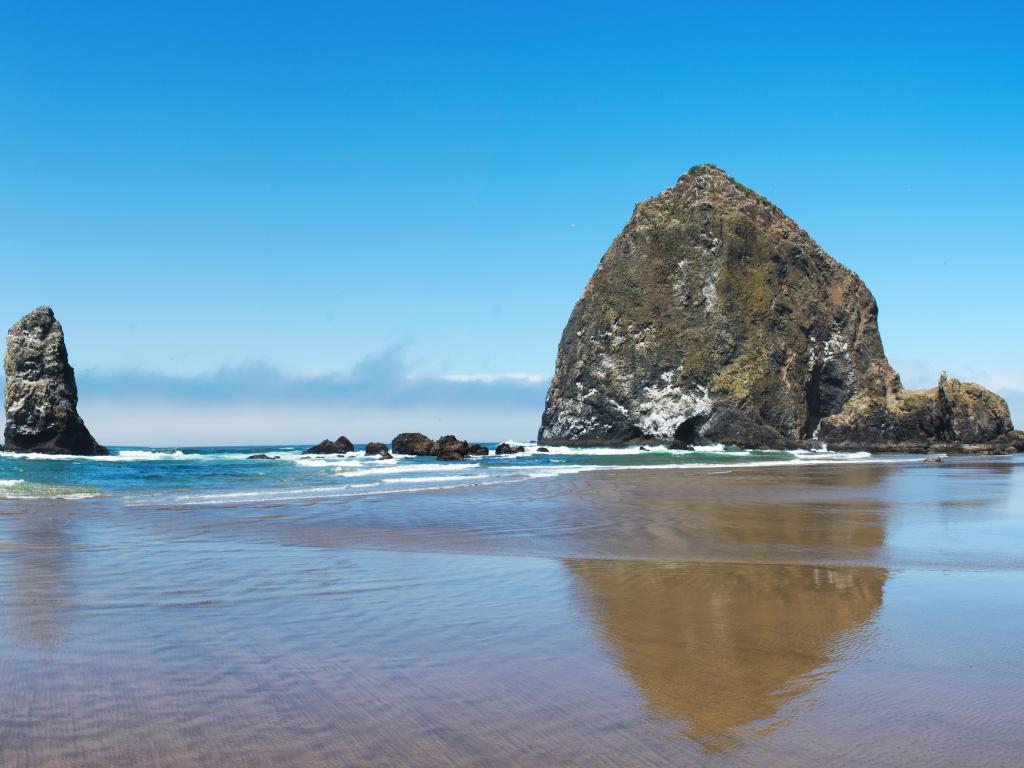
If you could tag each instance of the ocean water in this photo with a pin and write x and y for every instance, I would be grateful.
(224, 475)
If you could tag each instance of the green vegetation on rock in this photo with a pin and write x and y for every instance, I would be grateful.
(713, 317)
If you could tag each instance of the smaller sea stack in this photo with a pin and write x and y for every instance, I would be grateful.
(40, 395)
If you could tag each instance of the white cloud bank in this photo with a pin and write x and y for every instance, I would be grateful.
(256, 403)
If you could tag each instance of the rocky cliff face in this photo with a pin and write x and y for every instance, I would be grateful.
(713, 317)
(41, 398)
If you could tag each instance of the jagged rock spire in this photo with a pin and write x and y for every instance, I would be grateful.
(40, 397)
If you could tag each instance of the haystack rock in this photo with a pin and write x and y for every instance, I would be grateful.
(714, 318)
(40, 396)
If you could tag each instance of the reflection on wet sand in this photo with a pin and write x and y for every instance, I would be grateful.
(721, 646)
(37, 572)
(768, 617)
(814, 515)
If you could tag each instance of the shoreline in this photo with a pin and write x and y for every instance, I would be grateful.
(227, 475)
(809, 514)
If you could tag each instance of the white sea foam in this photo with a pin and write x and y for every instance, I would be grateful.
(175, 455)
(542, 472)
(307, 461)
(308, 477)
(119, 456)
(267, 494)
(271, 496)
(817, 453)
(626, 450)
(401, 469)
(432, 478)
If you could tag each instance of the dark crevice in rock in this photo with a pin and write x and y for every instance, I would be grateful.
(687, 434)
(813, 397)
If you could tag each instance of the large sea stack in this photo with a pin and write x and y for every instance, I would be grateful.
(40, 396)
(714, 318)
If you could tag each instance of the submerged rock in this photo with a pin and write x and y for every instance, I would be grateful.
(714, 318)
(542, 449)
(262, 456)
(341, 445)
(506, 449)
(40, 396)
(412, 444)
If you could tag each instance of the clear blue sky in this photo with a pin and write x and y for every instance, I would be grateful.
(231, 200)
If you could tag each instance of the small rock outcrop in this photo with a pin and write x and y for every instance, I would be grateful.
(262, 456)
(955, 416)
(506, 449)
(714, 318)
(341, 445)
(449, 448)
(41, 397)
(446, 448)
(412, 444)
(379, 450)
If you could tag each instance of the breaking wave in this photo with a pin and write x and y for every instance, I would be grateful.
(225, 475)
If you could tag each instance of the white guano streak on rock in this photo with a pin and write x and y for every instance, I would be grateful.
(835, 345)
(710, 291)
(573, 419)
(664, 408)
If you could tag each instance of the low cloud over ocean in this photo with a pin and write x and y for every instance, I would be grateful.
(256, 402)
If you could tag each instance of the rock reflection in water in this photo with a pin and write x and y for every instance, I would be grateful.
(723, 646)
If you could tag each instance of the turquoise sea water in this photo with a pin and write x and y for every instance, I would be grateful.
(220, 475)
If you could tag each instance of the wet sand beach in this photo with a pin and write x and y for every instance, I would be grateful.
(842, 615)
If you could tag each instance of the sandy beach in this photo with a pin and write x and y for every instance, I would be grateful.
(860, 615)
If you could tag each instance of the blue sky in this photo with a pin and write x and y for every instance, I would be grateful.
(226, 201)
